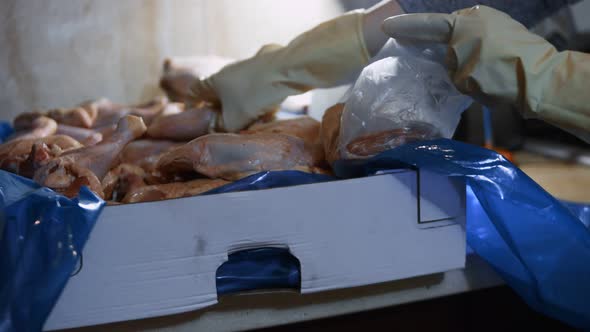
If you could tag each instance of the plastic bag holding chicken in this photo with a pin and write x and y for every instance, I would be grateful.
(405, 95)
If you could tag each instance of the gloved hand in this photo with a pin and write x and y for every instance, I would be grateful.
(323, 57)
(496, 60)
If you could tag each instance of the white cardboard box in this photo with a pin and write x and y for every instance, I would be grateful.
(153, 259)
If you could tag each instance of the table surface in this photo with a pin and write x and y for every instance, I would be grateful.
(563, 180)
(247, 311)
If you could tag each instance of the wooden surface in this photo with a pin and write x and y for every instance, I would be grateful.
(563, 180)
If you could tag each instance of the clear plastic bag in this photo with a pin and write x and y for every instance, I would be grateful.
(404, 95)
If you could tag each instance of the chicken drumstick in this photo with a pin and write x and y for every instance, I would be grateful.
(231, 156)
(86, 166)
(182, 126)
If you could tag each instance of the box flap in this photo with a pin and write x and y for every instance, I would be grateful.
(441, 197)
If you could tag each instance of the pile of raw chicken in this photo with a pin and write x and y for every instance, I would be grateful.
(159, 150)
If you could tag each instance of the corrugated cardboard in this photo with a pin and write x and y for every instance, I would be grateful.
(153, 259)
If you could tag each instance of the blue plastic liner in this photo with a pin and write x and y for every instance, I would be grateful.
(581, 211)
(263, 268)
(536, 243)
(5, 131)
(267, 180)
(42, 236)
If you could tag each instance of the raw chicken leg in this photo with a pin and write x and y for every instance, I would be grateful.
(39, 127)
(172, 190)
(88, 137)
(14, 154)
(105, 112)
(92, 107)
(182, 126)
(83, 116)
(86, 166)
(77, 117)
(374, 143)
(106, 131)
(40, 155)
(109, 113)
(181, 72)
(330, 132)
(145, 153)
(122, 179)
(150, 110)
(367, 145)
(231, 156)
(305, 127)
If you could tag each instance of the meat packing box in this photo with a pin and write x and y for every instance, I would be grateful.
(152, 259)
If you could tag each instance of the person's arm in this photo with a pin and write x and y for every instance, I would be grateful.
(330, 54)
(372, 21)
(527, 12)
(497, 61)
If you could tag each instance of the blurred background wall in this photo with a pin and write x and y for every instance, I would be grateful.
(57, 53)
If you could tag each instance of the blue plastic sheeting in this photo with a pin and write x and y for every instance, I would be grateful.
(267, 180)
(5, 131)
(41, 238)
(581, 211)
(263, 268)
(539, 247)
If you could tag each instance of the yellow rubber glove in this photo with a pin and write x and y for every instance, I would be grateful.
(496, 60)
(322, 57)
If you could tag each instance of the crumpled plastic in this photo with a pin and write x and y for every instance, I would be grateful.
(41, 238)
(404, 95)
